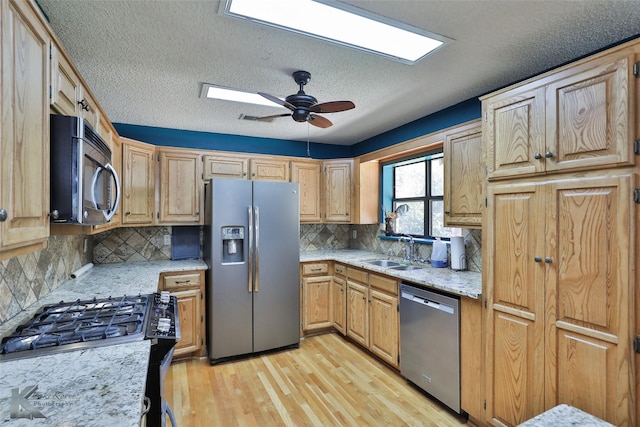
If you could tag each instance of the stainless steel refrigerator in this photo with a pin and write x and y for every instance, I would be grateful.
(251, 246)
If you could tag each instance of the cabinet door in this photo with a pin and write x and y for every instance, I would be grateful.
(358, 315)
(339, 304)
(337, 191)
(514, 133)
(137, 183)
(24, 159)
(316, 303)
(308, 175)
(589, 294)
(65, 84)
(179, 187)
(270, 169)
(224, 166)
(190, 321)
(472, 360)
(515, 302)
(464, 172)
(384, 326)
(589, 116)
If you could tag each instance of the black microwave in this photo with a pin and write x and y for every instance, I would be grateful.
(85, 188)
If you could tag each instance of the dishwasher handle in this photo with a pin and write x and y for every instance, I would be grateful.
(428, 303)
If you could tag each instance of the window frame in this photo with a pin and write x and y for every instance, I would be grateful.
(388, 195)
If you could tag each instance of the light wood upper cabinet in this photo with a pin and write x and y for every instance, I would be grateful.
(580, 117)
(223, 165)
(68, 95)
(66, 88)
(179, 187)
(272, 169)
(366, 208)
(463, 177)
(308, 174)
(138, 178)
(24, 159)
(337, 190)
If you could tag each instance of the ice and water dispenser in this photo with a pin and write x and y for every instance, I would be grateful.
(232, 244)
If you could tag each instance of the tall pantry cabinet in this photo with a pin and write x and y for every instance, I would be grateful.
(560, 249)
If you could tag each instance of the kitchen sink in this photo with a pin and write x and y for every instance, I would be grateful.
(384, 263)
(406, 267)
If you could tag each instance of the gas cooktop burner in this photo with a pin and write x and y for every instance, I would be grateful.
(67, 326)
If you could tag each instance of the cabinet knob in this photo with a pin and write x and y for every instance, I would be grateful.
(548, 260)
(3, 215)
(447, 212)
(197, 213)
(548, 154)
(537, 259)
(537, 156)
(127, 213)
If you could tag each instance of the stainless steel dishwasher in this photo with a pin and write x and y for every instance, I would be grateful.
(430, 343)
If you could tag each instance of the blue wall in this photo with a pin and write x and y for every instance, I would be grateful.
(456, 114)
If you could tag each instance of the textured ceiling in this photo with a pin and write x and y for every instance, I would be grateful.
(146, 60)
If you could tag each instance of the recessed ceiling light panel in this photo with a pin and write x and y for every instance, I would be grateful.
(339, 23)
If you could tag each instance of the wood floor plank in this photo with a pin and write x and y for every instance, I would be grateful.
(328, 381)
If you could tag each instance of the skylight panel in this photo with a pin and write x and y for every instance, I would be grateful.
(346, 26)
(228, 94)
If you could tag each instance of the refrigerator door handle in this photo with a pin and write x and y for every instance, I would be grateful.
(256, 286)
(250, 285)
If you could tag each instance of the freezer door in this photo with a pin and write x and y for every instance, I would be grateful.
(229, 299)
(276, 297)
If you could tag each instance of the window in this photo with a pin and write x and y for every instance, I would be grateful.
(414, 189)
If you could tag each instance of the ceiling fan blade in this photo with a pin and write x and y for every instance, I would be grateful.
(268, 118)
(319, 121)
(277, 100)
(332, 107)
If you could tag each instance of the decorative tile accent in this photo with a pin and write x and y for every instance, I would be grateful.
(131, 244)
(28, 278)
(315, 237)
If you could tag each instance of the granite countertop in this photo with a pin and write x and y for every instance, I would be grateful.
(462, 283)
(102, 386)
(565, 416)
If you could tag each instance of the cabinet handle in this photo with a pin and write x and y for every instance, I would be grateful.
(548, 260)
(537, 259)
(179, 282)
(84, 104)
(548, 154)
(537, 156)
(3, 215)
(316, 269)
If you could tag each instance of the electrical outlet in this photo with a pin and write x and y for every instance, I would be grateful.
(354, 234)
(167, 239)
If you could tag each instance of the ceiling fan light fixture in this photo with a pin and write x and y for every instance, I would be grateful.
(227, 94)
(341, 24)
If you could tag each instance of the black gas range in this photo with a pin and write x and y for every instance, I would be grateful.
(82, 324)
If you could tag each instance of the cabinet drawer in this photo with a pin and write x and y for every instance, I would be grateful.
(357, 275)
(340, 269)
(315, 268)
(384, 284)
(176, 281)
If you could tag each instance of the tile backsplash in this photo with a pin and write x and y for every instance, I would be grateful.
(132, 244)
(27, 278)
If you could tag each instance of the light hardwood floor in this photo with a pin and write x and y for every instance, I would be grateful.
(326, 382)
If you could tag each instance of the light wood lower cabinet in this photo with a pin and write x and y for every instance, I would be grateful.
(472, 360)
(317, 314)
(188, 288)
(357, 313)
(338, 297)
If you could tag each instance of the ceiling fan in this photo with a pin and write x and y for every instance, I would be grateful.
(305, 108)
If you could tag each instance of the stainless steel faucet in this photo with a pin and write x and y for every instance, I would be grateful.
(408, 250)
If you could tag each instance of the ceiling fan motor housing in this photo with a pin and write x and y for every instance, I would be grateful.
(302, 102)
